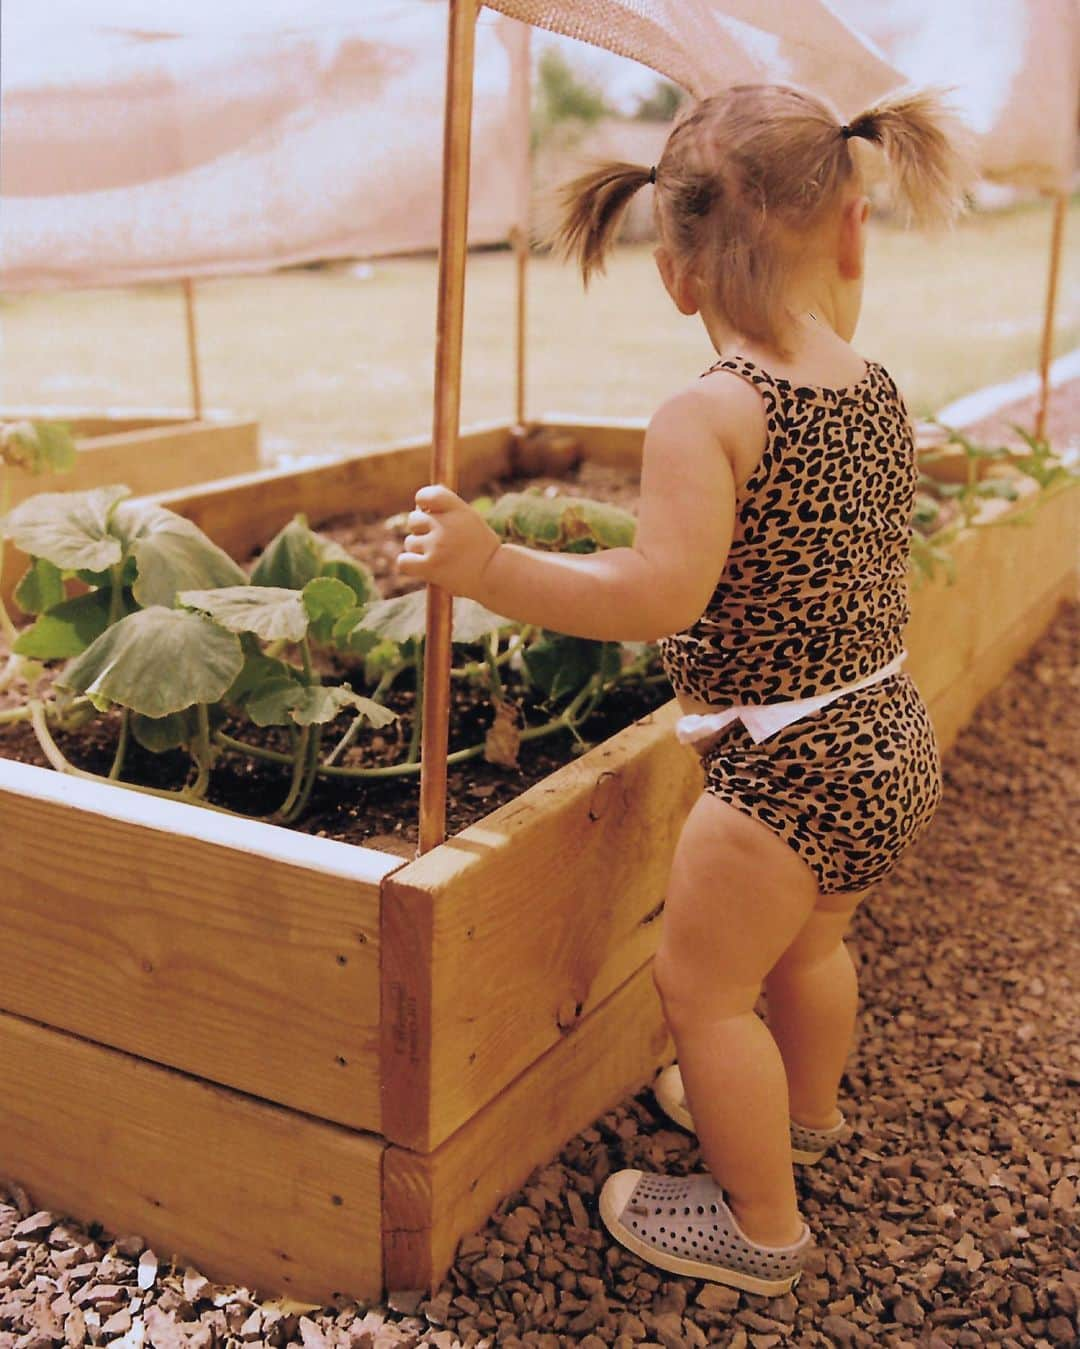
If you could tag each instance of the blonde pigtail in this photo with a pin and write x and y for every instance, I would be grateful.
(591, 208)
(928, 153)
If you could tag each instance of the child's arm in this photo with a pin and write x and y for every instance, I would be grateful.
(659, 586)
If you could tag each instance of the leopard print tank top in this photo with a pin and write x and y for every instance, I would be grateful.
(814, 592)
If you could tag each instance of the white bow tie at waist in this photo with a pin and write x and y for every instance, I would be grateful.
(766, 720)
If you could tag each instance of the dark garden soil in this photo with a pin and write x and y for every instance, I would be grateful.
(382, 814)
(947, 1216)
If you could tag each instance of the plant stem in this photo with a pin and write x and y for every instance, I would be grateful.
(413, 755)
(116, 592)
(10, 670)
(55, 756)
(492, 658)
(202, 755)
(6, 625)
(299, 763)
(400, 770)
(121, 746)
(354, 726)
(305, 655)
(13, 714)
(311, 772)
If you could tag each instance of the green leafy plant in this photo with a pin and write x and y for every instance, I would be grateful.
(944, 509)
(172, 634)
(32, 447)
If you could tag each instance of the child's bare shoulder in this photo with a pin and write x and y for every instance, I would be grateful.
(722, 410)
(718, 404)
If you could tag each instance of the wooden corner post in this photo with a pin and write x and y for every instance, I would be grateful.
(453, 242)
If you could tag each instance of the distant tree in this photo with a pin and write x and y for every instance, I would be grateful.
(661, 105)
(562, 96)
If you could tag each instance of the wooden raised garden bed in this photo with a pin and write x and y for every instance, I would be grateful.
(150, 452)
(313, 1067)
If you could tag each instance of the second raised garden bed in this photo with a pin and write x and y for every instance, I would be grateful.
(312, 1067)
(149, 451)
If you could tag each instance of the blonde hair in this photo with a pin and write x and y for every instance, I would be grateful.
(746, 173)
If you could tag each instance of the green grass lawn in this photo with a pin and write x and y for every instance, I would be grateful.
(329, 361)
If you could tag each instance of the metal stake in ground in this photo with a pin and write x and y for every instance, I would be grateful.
(1046, 351)
(448, 337)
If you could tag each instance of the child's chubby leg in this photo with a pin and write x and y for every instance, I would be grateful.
(737, 897)
(813, 995)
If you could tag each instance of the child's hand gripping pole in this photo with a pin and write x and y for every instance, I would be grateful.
(449, 543)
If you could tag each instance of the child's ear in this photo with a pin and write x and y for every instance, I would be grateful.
(852, 241)
(677, 282)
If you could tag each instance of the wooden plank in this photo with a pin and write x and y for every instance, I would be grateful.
(432, 1201)
(146, 459)
(242, 513)
(94, 422)
(605, 440)
(151, 458)
(999, 569)
(954, 706)
(498, 942)
(241, 952)
(249, 1193)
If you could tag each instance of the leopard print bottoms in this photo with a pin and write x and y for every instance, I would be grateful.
(849, 787)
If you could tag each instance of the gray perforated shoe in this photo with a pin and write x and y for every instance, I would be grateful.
(807, 1145)
(682, 1224)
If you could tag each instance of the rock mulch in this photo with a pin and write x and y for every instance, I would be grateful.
(947, 1217)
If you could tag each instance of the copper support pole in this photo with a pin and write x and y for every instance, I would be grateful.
(193, 349)
(453, 243)
(1056, 247)
(520, 242)
(521, 100)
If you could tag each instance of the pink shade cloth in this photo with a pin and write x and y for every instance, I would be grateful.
(1013, 67)
(131, 155)
(147, 143)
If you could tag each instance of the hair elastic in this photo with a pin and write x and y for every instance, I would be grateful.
(652, 174)
(847, 132)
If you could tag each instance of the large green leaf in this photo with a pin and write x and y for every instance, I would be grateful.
(297, 555)
(322, 702)
(281, 701)
(345, 568)
(405, 617)
(159, 734)
(171, 553)
(566, 524)
(40, 587)
(562, 665)
(291, 558)
(258, 671)
(326, 599)
(156, 662)
(270, 612)
(272, 702)
(71, 529)
(68, 628)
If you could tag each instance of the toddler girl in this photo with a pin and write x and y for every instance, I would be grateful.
(771, 562)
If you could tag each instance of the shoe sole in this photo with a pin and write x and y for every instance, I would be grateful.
(613, 1198)
(677, 1112)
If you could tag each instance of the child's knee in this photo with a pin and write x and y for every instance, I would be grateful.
(819, 938)
(688, 998)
